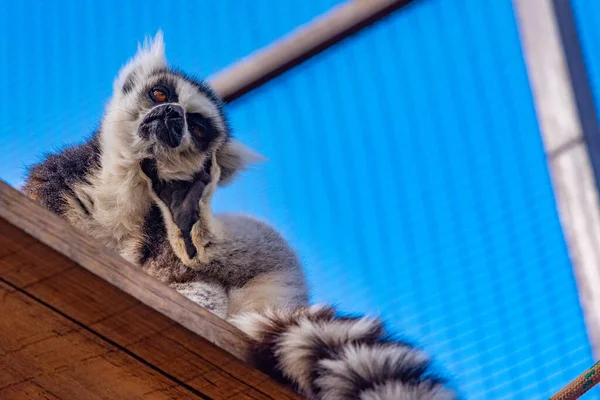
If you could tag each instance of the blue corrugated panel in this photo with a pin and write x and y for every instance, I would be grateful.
(58, 58)
(587, 16)
(407, 167)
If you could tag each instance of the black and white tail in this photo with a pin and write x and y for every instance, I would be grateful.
(328, 357)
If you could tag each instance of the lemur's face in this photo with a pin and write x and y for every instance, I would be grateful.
(160, 113)
(176, 114)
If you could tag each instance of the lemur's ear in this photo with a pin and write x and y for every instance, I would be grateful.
(149, 57)
(234, 157)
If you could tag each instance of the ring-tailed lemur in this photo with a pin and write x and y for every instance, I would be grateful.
(142, 185)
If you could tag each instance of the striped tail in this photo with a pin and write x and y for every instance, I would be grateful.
(328, 357)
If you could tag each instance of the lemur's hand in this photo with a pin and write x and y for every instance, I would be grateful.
(182, 198)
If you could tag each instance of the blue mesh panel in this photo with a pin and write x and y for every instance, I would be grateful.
(407, 167)
(587, 16)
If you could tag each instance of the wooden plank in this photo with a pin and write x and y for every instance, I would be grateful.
(569, 128)
(121, 313)
(53, 232)
(299, 45)
(45, 354)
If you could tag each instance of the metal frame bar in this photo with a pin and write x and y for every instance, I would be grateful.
(569, 128)
(300, 45)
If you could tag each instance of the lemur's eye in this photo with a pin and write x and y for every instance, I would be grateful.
(201, 128)
(158, 94)
(198, 129)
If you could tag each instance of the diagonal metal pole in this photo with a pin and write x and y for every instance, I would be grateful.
(299, 45)
(569, 128)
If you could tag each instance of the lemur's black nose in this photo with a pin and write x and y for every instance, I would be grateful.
(173, 111)
(166, 123)
(174, 123)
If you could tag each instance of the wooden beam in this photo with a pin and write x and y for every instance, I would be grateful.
(301, 44)
(80, 366)
(569, 129)
(161, 342)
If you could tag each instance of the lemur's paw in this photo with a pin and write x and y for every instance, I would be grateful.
(182, 199)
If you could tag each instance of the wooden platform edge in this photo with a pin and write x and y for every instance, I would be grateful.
(57, 234)
(75, 316)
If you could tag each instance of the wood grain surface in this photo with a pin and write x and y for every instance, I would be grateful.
(80, 322)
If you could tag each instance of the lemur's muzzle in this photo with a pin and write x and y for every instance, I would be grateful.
(166, 122)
